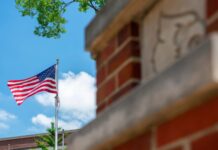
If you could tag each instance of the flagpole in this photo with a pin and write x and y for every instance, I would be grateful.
(56, 107)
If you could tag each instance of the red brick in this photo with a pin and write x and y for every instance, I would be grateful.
(105, 90)
(209, 142)
(107, 52)
(192, 121)
(142, 142)
(128, 72)
(213, 27)
(212, 7)
(121, 92)
(101, 74)
(130, 30)
(130, 50)
(101, 107)
(177, 148)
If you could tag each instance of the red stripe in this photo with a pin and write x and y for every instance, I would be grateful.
(42, 90)
(37, 84)
(41, 85)
(46, 85)
(38, 91)
(25, 90)
(19, 103)
(20, 80)
(21, 86)
(25, 81)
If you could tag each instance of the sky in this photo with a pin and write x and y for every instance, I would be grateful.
(24, 54)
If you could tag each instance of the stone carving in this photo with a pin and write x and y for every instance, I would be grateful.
(176, 35)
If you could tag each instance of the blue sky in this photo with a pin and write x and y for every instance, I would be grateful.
(24, 54)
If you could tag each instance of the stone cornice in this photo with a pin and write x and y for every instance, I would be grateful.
(186, 84)
(113, 16)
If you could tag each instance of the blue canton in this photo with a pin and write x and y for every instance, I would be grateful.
(48, 73)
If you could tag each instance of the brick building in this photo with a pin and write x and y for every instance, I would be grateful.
(23, 142)
(157, 73)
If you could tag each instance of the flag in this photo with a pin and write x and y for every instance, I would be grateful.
(44, 81)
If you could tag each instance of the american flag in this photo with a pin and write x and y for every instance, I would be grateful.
(44, 81)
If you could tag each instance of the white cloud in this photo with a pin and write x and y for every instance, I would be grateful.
(5, 116)
(45, 121)
(77, 97)
(3, 126)
(75, 91)
(42, 120)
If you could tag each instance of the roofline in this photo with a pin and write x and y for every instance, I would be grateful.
(33, 135)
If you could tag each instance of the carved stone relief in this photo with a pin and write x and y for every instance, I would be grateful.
(183, 36)
(170, 33)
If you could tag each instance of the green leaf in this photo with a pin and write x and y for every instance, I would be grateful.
(49, 14)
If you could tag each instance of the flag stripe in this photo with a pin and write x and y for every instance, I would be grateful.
(21, 81)
(24, 83)
(27, 92)
(20, 101)
(42, 84)
(44, 81)
(32, 86)
(34, 92)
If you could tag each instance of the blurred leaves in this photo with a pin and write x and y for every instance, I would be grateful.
(49, 13)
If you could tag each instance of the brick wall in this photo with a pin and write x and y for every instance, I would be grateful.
(141, 142)
(196, 129)
(118, 66)
(212, 15)
(118, 71)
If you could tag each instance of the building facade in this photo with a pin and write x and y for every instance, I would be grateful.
(157, 73)
(25, 142)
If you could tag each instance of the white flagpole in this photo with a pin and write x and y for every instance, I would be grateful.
(56, 107)
(63, 139)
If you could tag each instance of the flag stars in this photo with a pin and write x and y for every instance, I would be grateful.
(48, 73)
(42, 82)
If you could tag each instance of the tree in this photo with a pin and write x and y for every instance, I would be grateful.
(48, 141)
(49, 13)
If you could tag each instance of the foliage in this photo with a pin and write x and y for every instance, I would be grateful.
(48, 140)
(49, 13)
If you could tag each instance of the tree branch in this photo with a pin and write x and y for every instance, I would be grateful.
(90, 4)
(68, 3)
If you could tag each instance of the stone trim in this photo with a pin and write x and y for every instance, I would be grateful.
(111, 19)
(192, 80)
(186, 141)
